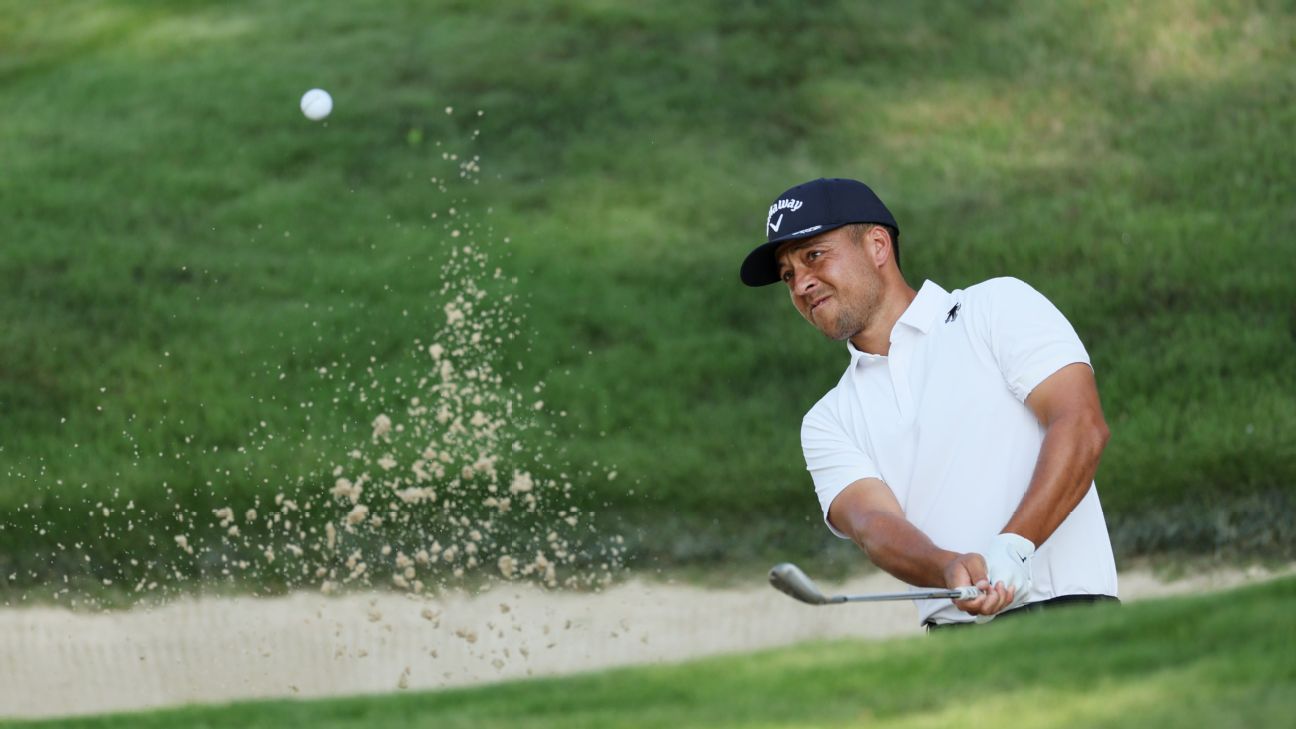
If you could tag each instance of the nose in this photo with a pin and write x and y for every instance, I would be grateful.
(803, 282)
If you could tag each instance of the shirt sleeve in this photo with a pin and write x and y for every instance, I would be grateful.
(1027, 335)
(833, 458)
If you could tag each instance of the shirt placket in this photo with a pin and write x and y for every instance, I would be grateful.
(898, 364)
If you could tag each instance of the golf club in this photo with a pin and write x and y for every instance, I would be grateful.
(789, 579)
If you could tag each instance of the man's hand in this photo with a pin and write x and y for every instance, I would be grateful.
(970, 569)
(1008, 560)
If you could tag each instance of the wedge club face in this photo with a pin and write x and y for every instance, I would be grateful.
(789, 579)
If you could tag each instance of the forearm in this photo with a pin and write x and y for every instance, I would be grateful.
(869, 514)
(897, 546)
(1063, 473)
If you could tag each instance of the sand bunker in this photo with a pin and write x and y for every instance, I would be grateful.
(55, 661)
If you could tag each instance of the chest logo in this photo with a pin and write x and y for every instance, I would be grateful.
(953, 313)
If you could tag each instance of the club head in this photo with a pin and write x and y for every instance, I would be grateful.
(789, 579)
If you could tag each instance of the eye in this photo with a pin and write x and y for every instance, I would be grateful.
(786, 275)
(811, 255)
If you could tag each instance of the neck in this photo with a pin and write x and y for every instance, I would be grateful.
(876, 337)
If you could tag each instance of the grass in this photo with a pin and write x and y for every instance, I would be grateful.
(1216, 660)
(182, 250)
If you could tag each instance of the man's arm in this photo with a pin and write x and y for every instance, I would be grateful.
(868, 513)
(1066, 404)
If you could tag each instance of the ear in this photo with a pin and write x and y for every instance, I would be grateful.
(878, 245)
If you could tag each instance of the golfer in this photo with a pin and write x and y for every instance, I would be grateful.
(960, 445)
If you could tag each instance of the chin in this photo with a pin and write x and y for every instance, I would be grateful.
(834, 334)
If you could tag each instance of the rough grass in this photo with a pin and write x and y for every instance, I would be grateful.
(1217, 660)
(182, 250)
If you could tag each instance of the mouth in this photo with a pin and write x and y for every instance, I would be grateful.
(815, 304)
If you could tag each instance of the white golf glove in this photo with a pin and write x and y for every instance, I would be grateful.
(1008, 560)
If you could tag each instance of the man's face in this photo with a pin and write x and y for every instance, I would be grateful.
(833, 282)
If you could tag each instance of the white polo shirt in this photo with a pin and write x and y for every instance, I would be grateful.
(942, 421)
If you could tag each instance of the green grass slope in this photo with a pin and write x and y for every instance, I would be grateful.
(182, 251)
(1223, 660)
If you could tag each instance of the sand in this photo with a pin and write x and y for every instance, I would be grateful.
(54, 661)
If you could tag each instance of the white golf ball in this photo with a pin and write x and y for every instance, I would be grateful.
(316, 104)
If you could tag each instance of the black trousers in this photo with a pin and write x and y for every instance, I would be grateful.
(1034, 607)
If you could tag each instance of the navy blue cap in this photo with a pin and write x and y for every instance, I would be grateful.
(807, 210)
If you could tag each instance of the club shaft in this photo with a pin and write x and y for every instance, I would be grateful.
(884, 596)
(789, 579)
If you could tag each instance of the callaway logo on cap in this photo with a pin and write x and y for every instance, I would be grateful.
(807, 210)
(782, 204)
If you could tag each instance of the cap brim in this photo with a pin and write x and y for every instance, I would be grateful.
(760, 268)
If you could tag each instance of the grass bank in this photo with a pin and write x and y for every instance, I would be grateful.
(184, 254)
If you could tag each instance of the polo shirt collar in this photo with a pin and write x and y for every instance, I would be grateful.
(931, 303)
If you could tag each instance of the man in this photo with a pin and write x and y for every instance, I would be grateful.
(960, 445)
